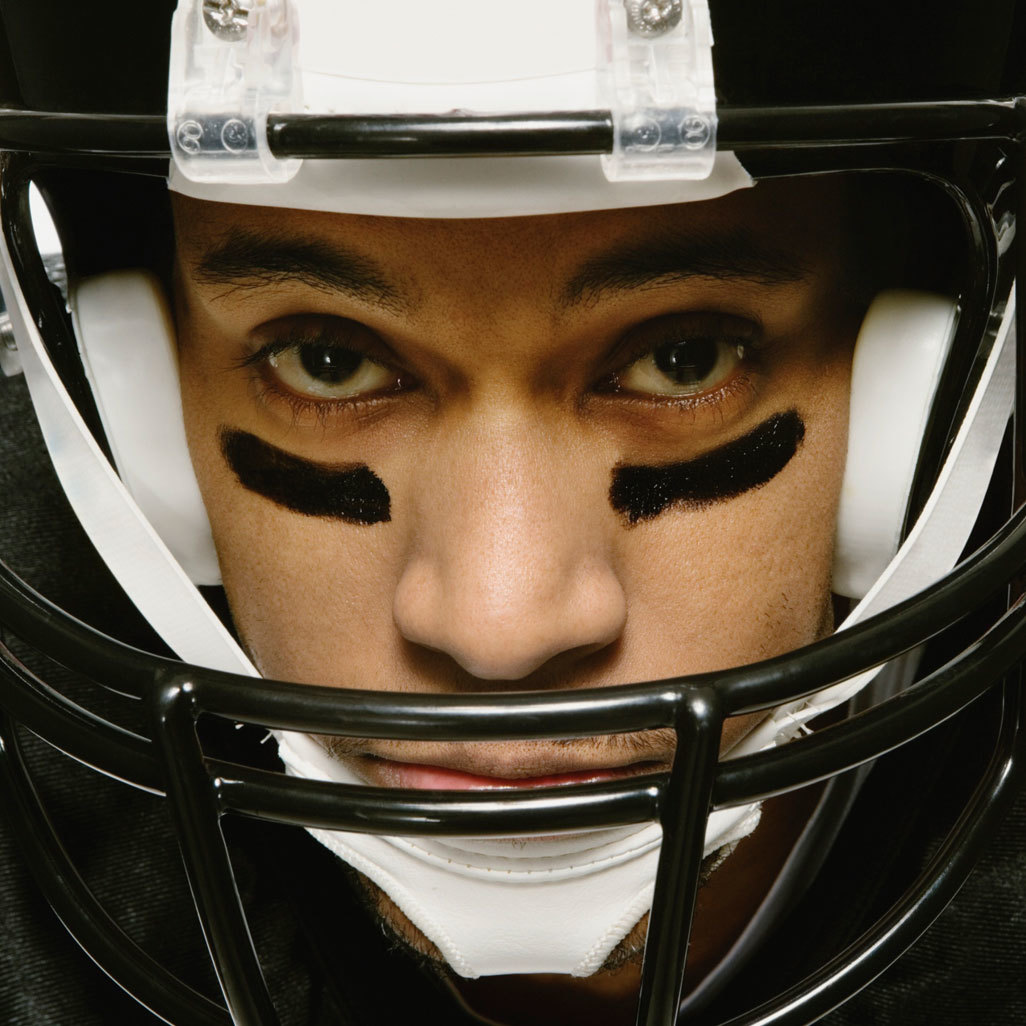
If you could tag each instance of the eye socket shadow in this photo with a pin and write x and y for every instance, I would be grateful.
(641, 493)
(351, 492)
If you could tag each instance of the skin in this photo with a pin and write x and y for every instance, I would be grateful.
(504, 565)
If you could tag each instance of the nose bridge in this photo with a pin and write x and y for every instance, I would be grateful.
(509, 567)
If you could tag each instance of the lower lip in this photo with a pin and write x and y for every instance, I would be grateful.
(437, 778)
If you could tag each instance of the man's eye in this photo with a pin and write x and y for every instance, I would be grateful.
(326, 371)
(682, 367)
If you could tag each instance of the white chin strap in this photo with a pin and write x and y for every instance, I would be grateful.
(512, 905)
(508, 905)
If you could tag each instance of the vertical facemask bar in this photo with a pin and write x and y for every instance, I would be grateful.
(207, 863)
(1019, 409)
(685, 812)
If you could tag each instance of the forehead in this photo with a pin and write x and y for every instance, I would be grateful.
(777, 230)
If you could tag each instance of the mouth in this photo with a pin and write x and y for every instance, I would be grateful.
(415, 776)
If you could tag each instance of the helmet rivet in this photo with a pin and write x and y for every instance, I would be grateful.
(643, 133)
(190, 136)
(227, 19)
(235, 135)
(653, 17)
(694, 131)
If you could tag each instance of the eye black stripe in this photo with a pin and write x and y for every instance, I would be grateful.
(351, 492)
(640, 493)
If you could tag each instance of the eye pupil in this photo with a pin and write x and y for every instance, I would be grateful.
(688, 362)
(329, 364)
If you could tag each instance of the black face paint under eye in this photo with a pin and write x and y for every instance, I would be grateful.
(641, 493)
(351, 492)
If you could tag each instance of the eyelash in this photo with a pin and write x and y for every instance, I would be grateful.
(302, 407)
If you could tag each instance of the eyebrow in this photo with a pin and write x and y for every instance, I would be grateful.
(245, 259)
(737, 255)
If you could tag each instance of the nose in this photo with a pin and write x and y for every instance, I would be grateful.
(511, 561)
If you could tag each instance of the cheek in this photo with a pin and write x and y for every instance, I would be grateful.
(749, 578)
(308, 594)
(311, 597)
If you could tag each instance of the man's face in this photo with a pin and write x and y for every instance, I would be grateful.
(540, 452)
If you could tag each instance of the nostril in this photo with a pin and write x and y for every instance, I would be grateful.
(510, 632)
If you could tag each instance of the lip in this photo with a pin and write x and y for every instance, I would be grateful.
(424, 777)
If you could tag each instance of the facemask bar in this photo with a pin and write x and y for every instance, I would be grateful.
(204, 793)
(152, 985)
(199, 798)
(138, 137)
(736, 688)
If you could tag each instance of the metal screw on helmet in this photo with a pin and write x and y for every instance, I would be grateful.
(653, 17)
(190, 136)
(227, 19)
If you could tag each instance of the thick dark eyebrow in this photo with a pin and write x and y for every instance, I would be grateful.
(737, 255)
(244, 259)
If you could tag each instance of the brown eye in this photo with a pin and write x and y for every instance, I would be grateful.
(325, 371)
(330, 365)
(682, 367)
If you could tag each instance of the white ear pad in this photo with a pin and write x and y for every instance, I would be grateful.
(899, 356)
(127, 342)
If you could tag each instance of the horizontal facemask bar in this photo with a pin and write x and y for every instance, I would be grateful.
(152, 984)
(567, 132)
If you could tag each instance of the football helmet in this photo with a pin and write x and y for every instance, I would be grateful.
(541, 109)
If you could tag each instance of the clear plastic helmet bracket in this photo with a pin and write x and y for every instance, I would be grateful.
(656, 71)
(232, 63)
